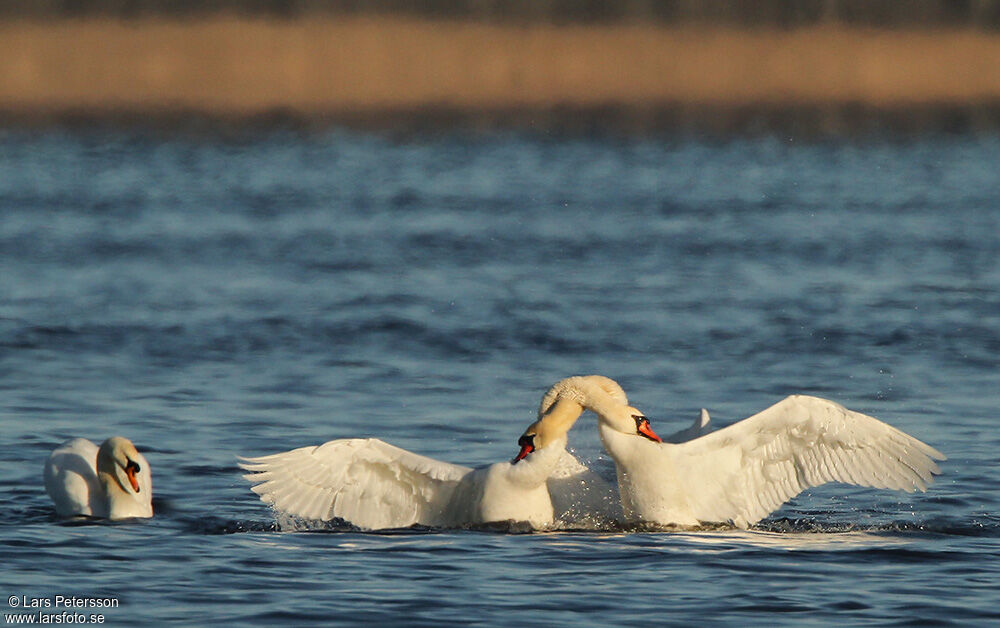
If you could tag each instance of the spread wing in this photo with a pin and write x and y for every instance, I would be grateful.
(365, 481)
(754, 466)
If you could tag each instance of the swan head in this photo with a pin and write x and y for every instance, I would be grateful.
(629, 420)
(566, 400)
(118, 460)
(550, 428)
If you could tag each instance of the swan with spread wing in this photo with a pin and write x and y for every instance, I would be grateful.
(743, 472)
(375, 485)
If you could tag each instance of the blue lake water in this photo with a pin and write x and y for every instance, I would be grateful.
(210, 296)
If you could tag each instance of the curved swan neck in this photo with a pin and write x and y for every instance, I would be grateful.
(125, 479)
(558, 420)
(111, 485)
(120, 501)
(591, 392)
(566, 400)
(114, 496)
(111, 458)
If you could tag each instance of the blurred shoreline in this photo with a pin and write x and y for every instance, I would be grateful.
(397, 70)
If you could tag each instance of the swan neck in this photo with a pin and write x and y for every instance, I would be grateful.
(613, 440)
(113, 491)
(109, 481)
(107, 471)
(597, 399)
(559, 419)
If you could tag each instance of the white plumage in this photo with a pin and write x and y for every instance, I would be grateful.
(375, 485)
(368, 482)
(743, 472)
(735, 475)
(112, 482)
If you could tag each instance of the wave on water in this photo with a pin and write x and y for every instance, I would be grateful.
(985, 526)
(214, 526)
(224, 338)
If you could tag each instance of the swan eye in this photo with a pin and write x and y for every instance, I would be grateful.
(642, 428)
(134, 466)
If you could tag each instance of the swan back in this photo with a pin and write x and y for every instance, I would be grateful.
(698, 428)
(71, 479)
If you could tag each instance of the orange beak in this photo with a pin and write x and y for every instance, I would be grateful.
(130, 470)
(526, 449)
(647, 431)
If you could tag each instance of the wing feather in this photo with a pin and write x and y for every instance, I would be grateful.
(365, 481)
(755, 465)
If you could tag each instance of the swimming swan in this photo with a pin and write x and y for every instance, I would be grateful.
(375, 485)
(112, 482)
(741, 473)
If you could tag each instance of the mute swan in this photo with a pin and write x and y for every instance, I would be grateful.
(743, 472)
(375, 485)
(112, 482)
